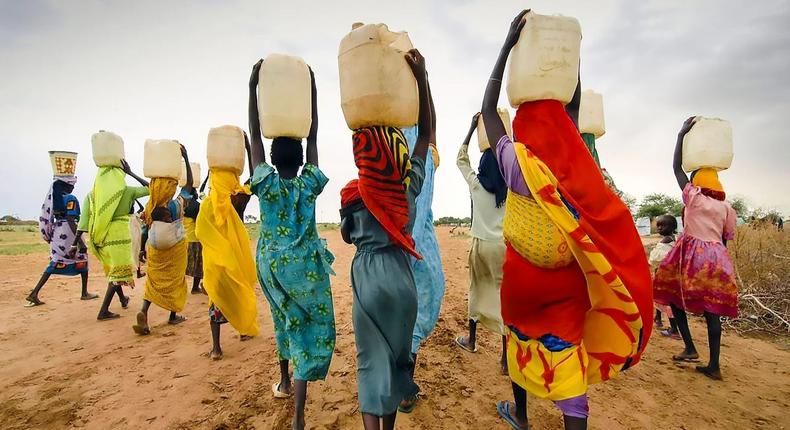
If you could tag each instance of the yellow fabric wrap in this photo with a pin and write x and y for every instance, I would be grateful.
(554, 375)
(162, 191)
(612, 325)
(189, 230)
(531, 232)
(229, 275)
(166, 284)
(707, 178)
(109, 238)
(435, 154)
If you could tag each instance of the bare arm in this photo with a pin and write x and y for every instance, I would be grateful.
(249, 157)
(189, 187)
(677, 160)
(128, 170)
(256, 146)
(312, 138)
(417, 64)
(572, 108)
(493, 123)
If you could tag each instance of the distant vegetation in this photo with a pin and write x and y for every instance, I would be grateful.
(451, 220)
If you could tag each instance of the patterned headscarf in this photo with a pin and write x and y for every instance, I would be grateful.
(382, 157)
(162, 191)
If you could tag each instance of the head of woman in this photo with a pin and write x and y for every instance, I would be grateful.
(707, 180)
(491, 178)
(287, 155)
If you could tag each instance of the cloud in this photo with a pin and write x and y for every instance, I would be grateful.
(150, 69)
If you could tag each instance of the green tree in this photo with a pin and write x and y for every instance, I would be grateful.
(741, 206)
(657, 204)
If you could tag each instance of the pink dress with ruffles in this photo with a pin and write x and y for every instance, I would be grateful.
(698, 274)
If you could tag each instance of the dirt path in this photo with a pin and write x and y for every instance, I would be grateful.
(59, 368)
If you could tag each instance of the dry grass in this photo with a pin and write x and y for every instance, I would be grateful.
(762, 263)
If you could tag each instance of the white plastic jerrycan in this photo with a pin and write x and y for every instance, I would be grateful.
(591, 114)
(284, 97)
(708, 144)
(107, 148)
(162, 159)
(482, 138)
(544, 64)
(225, 148)
(377, 86)
(196, 178)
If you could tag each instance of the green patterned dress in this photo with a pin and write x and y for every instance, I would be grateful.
(294, 266)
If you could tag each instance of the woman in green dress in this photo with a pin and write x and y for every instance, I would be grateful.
(293, 262)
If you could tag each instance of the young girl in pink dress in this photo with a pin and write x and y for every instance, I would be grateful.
(698, 276)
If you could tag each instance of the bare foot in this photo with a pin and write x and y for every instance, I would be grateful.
(714, 374)
(89, 296)
(141, 327)
(215, 354)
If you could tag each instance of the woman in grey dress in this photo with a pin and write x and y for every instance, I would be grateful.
(377, 216)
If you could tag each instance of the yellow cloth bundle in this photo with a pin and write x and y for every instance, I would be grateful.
(707, 178)
(530, 231)
(229, 275)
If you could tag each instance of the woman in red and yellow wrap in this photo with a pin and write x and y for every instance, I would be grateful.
(576, 292)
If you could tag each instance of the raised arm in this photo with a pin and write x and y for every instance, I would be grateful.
(677, 160)
(493, 123)
(250, 166)
(417, 64)
(258, 156)
(312, 138)
(462, 161)
(128, 170)
(189, 187)
(572, 108)
(433, 115)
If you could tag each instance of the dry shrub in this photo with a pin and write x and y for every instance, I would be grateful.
(762, 263)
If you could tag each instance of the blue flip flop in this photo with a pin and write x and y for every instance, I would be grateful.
(504, 412)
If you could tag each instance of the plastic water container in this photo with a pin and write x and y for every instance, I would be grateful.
(196, 174)
(708, 144)
(162, 159)
(482, 138)
(284, 97)
(377, 86)
(107, 148)
(64, 163)
(591, 114)
(225, 148)
(544, 64)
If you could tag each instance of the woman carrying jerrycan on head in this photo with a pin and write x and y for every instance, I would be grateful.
(105, 217)
(377, 215)
(166, 247)
(293, 262)
(576, 291)
(698, 275)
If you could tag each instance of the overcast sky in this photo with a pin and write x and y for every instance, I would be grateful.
(173, 69)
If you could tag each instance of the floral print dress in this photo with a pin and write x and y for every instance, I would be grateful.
(294, 266)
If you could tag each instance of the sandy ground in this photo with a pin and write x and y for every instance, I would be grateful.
(60, 368)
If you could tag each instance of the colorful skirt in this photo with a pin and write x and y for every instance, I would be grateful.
(195, 260)
(215, 315)
(73, 269)
(485, 272)
(698, 277)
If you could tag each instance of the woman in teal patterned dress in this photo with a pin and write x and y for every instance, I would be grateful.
(293, 262)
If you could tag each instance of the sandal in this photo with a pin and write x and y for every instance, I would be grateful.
(279, 394)
(89, 297)
(460, 342)
(125, 301)
(503, 409)
(31, 303)
(688, 358)
(178, 320)
(409, 404)
(670, 334)
(108, 316)
(215, 356)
